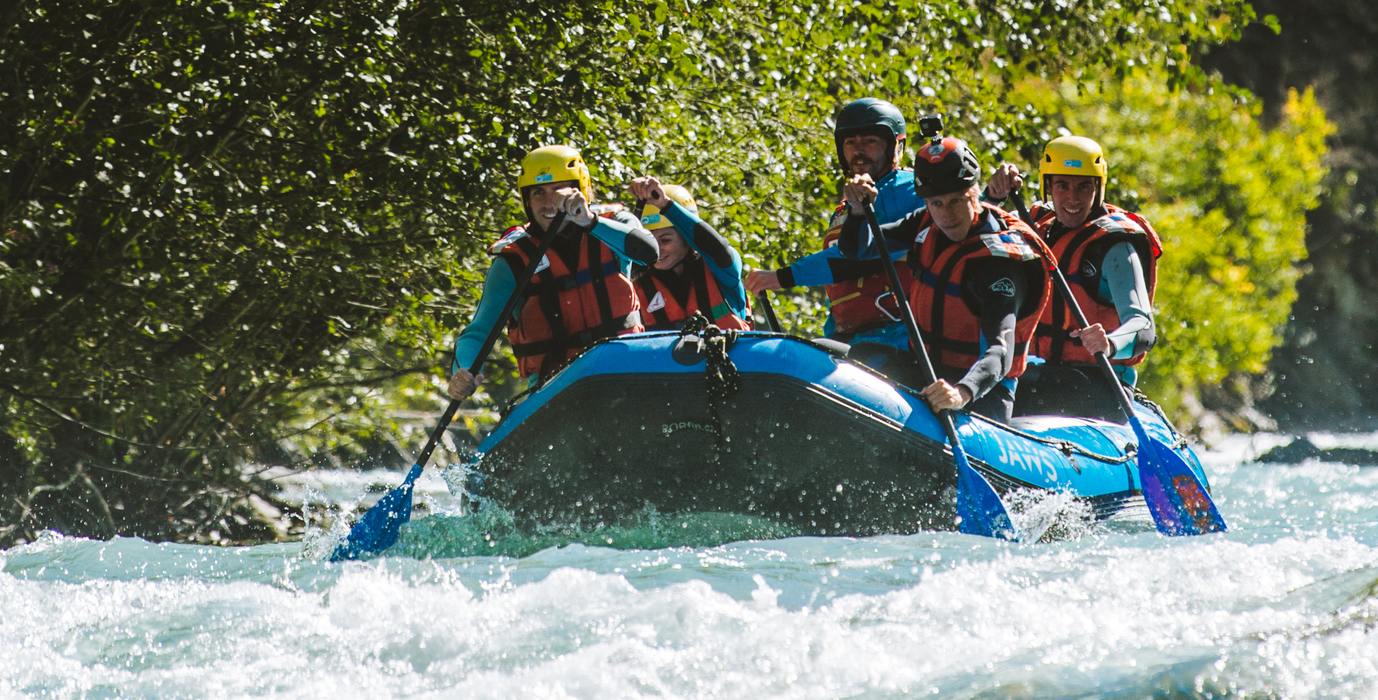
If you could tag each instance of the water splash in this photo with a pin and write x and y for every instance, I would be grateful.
(493, 531)
(710, 605)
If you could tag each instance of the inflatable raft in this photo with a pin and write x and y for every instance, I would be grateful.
(779, 427)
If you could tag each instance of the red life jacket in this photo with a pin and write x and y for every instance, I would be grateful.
(568, 306)
(866, 302)
(667, 312)
(1078, 252)
(951, 324)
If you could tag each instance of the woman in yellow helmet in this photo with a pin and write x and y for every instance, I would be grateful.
(580, 290)
(1109, 257)
(698, 269)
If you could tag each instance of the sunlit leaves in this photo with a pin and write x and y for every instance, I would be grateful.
(230, 225)
(1229, 196)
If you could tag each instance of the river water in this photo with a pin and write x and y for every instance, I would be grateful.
(1284, 605)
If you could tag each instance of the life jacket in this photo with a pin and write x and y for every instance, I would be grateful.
(568, 305)
(866, 302)
(1078, 253)
(950, 321)
(666, 311)
(862, 304)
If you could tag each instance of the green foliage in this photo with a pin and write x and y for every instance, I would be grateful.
(1229, 197)
(225, 227)
(1324, 376)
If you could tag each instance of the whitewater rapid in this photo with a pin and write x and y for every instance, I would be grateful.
(711, 606)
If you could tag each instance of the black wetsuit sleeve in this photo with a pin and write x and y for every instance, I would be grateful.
(856, 241)
(999, 287)
(624, 234)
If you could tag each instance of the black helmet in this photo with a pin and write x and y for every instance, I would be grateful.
(944, 165)
(868, 115)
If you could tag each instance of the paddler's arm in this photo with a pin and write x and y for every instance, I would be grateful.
(1123, 272)
(857, 242)
(497, 288)
(1122, 279)
(818, 269)
(999, 287)
(719, 255)
(991, 284)
(625, 236)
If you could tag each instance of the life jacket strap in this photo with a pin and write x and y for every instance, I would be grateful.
(580, 339)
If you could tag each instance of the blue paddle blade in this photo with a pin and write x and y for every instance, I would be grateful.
(979, 508)
(379, 527)
(1176, 498)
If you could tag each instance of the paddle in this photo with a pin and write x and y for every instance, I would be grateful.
(1176, 498)
(378, 528)
(772, 322)
(979, 508)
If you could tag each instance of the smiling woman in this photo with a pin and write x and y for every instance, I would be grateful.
(699, 270)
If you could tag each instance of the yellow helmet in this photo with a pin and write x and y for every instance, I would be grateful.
(650, 215)
(555, 164)
(1072, 155)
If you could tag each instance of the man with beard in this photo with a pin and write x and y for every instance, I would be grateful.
(870, 137)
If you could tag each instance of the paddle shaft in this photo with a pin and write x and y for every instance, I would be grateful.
(772, 322)
(916, 343)
(523, 281)
(1066, 291)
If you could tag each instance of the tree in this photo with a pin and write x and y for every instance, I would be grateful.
(1324, 376)
(229, 227)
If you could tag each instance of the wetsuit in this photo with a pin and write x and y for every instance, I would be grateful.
(830, 267)
(622, 234)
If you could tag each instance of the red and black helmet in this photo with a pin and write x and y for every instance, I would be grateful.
(944, 165)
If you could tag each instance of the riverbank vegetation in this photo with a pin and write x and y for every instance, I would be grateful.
(247, 232)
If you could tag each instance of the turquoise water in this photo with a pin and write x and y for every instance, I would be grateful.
(1284, 605)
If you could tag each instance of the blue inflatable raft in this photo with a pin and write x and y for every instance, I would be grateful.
(782, 428)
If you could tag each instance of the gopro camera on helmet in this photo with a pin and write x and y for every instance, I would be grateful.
(930, 125)
(944, 164)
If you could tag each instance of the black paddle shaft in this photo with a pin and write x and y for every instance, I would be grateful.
(897, 288)
(772, 322)
(916, 343)
(1065, 290)
(518, 293)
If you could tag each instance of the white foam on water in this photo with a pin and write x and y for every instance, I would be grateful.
(1284, 605)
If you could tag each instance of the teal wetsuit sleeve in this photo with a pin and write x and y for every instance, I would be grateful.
(632, 244)
(1122, 277)
(497, 289)
(830, 265)
(812, 270)
(718, 254)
